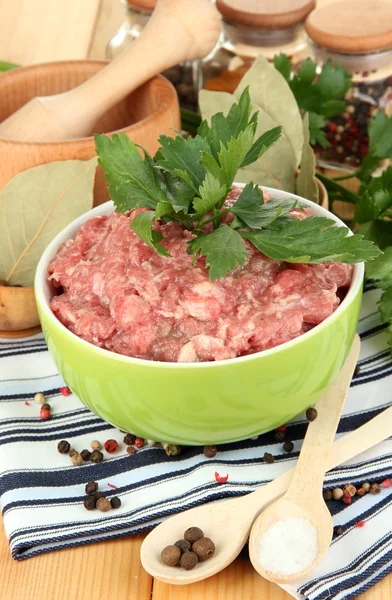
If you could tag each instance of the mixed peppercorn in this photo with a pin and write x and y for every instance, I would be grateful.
(96, 499)
(194, 547)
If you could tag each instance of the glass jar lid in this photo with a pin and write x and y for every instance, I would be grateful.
(143, 4)
(279, 14)
(352, 26)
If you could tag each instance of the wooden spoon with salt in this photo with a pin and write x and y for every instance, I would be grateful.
(290, 538)
(178, 30)
(228, 522)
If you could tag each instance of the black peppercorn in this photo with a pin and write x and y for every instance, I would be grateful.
(311, 414)
(73, 453)
(288, 446)
(90, 502)
(115, 502)
(99, 495)
(327, 495)
(171, 555)
(85, 454)
(209, 451)
(268, 458)
(63, 447)
(279, 435)
(192, 534)
(338, 530)
(45, 406)
(91, 488)
(204, 548)
(183, 545)
(96, 456)
(129, 439)
(189, 560)
(357, 370)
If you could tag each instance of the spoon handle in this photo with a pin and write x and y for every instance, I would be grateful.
(310, 470)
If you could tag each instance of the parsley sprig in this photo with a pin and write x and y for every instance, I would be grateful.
(188, 180)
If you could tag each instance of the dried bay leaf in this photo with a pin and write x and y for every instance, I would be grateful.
(270, 91)
(306, 180)
(34, 207)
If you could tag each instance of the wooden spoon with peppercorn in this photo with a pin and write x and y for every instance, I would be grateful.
(228, 522)
(290, 538)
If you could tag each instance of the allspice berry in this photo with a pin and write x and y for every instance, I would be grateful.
(351, 489)
(327, 495)
(209, 451)
(361, 492)
(375, 488)
(279, 435)
(183, 545)
(63, 447)
(366, 487)
(288, 446)
(129, 439)
(268, 458)
(91, 488)
(171, 555)
(337, 494)
(95, 445)
(39, 398)
(73, 452)
(96, 456)
(338, 530)
(311, 414)
(85, 454)
(189, 560)
(204, 548)
(131, 450)
(192, 534)
(89, 503)
(103, 504)
(99, 495)
(77, 460)
(172, 450)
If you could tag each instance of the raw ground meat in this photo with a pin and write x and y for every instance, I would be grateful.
(119, 294)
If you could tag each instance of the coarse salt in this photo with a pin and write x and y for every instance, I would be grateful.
(289, 546)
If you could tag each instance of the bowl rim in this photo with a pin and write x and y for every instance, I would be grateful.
(164, 103)
(41, 287)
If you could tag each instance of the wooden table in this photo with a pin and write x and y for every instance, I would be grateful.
(112, 569)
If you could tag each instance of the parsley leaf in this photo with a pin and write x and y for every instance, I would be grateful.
(142, 224)
(283, 65)
(254, 213)
(380, 269)
(376, 199)
(380, 145)
(181, 156)
(224, 249)
(211, 192)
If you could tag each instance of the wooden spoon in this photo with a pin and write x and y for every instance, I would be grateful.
(228, 522)
(304, 498)
(178, 30)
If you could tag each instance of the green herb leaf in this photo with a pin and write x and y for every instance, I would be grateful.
(312, 240)
(380, 145)
(261, 145)
(211, 192)
(224, 250)
(142, 226)
(181, 157)
(233, 155)
(316, 133)
(132, 181)
(380, 269)
(306, 181)
(376, 199)
(378, 231)
(385, 306)
(283, 65)
(254, 213)
(34, 207)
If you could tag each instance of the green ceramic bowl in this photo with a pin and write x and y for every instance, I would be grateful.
(201, 403)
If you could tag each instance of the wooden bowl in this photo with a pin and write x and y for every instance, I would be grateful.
(149, 111)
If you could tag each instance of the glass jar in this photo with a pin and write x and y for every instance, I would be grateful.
(182, 76)
(347, 34)
(251, 28)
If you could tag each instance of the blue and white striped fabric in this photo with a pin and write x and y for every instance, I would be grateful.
(42, 493)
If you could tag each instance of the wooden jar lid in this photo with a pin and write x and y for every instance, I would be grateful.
(145, 4)
(352, 25)
(272, 14)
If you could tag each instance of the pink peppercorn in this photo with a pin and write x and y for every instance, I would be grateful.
(360, 524)
(65, 391)
(110, 446)
(346, 497)
(221, 478)
(44, 413)
(139, 442)
(387, 483)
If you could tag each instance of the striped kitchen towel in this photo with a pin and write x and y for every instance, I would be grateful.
(42, 493)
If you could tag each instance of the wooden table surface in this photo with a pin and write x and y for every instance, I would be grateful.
(112, 569)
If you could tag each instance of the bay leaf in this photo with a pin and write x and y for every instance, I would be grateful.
(34, 207)
(306, 181)
(276, 168)
(270, 91)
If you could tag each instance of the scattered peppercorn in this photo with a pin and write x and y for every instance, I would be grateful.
(99, 495)
(85, 454)
(183, 545)
(375, 488)
(351, 489)
(171, 449)
(221, 478)
(63, 447)
(151, 442)
(192, 534)
(361, 492)
(95, 445)
(209, 451)
(311, 414)
(91, 488)
(131, 450)
(346, 498)
(387, 483)
(171, 555)
(110, 446)
(337, 494)
(357, 370)
(96, 456)
(139, 442)
(360, 524)
(189, 560)
(77, 460)
(72, 452)
(268, 458)
(44, 414)
(39, 398)
(204, 548)
(115, 502)
(103, 504)
(279, 435)
(65, 391)
(129, 439)
(89, 502)
(338, 530)
(366, 487)
(288, 446)
(327, 495)
(45, 406)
